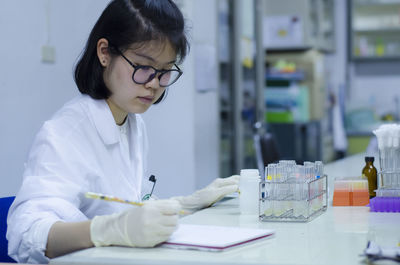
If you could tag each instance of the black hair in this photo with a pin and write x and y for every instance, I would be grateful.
(123, 23)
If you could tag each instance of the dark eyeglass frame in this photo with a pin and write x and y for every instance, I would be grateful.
(152, 76)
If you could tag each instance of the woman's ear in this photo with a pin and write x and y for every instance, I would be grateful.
(103, 53)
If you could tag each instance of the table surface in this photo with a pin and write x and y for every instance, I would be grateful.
(338, 236)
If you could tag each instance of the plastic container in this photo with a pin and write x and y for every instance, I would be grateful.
(249, 189)
(292, 200)
(385, 204)
(351, 191)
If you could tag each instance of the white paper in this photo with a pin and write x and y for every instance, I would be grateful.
(206, 68)
(214, 238)
(282, 31)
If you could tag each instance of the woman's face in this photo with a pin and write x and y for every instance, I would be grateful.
(127, 96)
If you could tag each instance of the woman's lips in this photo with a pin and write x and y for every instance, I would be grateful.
(146, 100)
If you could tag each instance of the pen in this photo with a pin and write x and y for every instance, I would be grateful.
(99, 196)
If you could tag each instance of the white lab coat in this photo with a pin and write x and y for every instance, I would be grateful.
(78, 150)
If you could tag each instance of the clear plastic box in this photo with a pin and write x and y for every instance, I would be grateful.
(293, 201)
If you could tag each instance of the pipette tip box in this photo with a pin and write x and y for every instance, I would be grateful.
(351, 191)
(386, 200)
(385, 204)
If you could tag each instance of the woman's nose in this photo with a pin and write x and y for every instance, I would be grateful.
(153, 83)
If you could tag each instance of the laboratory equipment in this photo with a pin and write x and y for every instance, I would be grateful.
(292, 193)
(350, 191)
(388, 192)
(248, 186)
(388, 136)
(370, 173)
(385, 204)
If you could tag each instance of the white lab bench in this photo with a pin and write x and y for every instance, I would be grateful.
(338, 236)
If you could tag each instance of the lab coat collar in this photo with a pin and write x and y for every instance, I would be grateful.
(103, 120)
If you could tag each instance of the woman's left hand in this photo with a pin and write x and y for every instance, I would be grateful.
(207, 196)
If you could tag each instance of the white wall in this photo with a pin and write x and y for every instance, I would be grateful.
(183, 131)
(377, 92)
(31, 90)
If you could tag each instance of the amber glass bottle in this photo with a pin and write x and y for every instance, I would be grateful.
(369, 172)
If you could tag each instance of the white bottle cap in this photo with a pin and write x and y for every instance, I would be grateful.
(250, 173)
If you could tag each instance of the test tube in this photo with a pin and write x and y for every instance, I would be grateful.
(271, 169)
(302, 191)
(310, 170)
(279, 170)
(397, 157)
(311, 188)
(291, 169)
(270, 192)
(286, 194)
(397, 153)
(393, 158)
(319, 171)
(297, 190)
(282, 168)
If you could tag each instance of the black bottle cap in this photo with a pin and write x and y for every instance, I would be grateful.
(369, 159)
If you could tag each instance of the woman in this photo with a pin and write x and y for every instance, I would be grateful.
(97, 142)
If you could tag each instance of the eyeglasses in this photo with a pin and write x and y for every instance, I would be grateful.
(145, 73)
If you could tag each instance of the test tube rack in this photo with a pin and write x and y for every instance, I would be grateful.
(388, 193)
(389, 180)
(389, 174)
(293, 200)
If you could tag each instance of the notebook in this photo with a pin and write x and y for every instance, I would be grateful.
(214, 238)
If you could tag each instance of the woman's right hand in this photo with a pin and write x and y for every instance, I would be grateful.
(144, 226)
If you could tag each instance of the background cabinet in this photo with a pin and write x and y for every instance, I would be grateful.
(310, 75)
(374, 29)
(297, 111)
(303, 31)
(305, 24)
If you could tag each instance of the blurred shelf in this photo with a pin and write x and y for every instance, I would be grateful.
(287, 49)
(379, 3)
(376, 58)
(308, 24)
(294, 76)
(378, 30)
(374, 30)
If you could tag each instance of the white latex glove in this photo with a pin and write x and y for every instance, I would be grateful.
(215, 191)
(144, 226)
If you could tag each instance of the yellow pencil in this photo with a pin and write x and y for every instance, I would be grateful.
(99, 196)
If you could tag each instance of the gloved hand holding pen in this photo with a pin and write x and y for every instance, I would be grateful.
(144, 226)
(207, 196)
